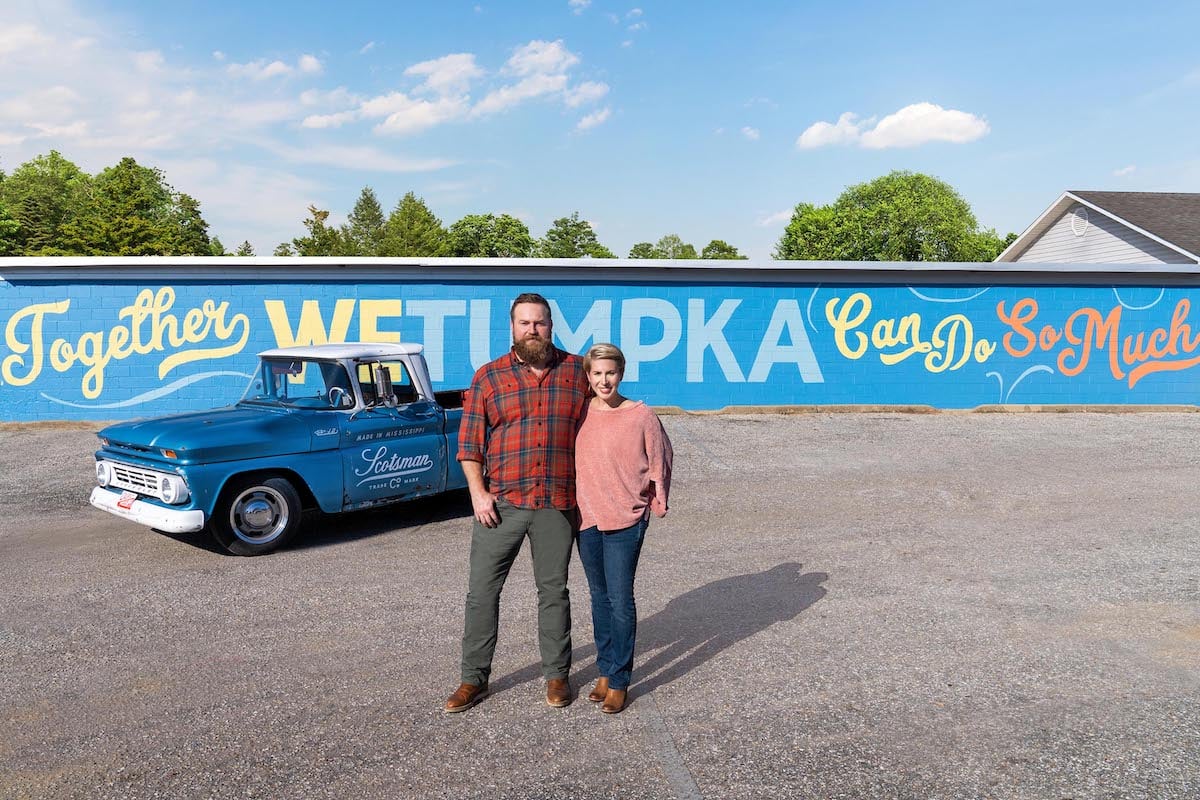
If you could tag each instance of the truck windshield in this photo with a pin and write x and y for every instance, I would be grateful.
(301, 383)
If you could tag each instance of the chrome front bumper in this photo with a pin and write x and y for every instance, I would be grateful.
(164, 519)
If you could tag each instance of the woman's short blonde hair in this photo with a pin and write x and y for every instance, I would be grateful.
(604, 351)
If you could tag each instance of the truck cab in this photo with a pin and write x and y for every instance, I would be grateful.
(335, 427)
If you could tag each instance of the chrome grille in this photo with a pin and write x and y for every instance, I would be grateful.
(135, 479)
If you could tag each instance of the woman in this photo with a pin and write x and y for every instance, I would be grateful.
(622, 473)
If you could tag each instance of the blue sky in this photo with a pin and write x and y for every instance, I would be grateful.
(707, 120)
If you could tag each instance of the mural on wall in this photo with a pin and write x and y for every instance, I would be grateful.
(113, 349)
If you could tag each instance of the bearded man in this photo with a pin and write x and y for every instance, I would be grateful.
(517, 449)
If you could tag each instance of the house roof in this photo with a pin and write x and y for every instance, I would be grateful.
(1170, 218)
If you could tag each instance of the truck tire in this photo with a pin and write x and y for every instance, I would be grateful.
(256, 515)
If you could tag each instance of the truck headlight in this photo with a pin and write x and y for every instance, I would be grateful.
(174, 489)
(103, 473)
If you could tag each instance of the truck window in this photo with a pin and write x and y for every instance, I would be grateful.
(301, 384)
(402, 385)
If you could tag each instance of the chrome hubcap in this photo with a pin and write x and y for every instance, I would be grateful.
(258, 515)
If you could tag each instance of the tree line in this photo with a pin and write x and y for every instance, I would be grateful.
(48, 206)
(412, 229)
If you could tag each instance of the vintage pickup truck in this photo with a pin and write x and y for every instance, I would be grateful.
(336, 427)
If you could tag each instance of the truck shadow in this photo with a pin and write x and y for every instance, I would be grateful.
(318, 529)
(698, 625)
(325, 530)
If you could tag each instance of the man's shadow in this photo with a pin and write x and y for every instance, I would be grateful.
(698, 625)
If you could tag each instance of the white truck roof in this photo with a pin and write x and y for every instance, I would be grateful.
(346, 350)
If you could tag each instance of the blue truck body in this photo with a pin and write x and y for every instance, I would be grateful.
(336, 427)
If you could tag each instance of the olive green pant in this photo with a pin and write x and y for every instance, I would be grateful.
(493, 551)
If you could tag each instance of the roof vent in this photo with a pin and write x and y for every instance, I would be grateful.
(1079, 221)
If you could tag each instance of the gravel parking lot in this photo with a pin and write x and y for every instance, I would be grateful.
(867, 605)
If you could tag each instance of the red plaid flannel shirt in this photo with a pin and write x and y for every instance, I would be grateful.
(523, 429)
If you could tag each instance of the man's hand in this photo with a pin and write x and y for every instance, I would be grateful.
(484, 504)
(483, 501)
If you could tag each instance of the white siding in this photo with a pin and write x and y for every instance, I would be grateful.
(1104, 241)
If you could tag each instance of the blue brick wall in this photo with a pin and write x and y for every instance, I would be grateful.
(76, 348)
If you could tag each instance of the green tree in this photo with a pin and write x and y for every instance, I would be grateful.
(671, 246)
(571, 237)
(217, 248)
(644, 250)
(244, 249)
(413, 230)
(721, 249)
(283, 249)
(10, 241)
(363, 233)
(44, 195)
(489, 236)
(901, 216)
(322, 240)
(191, 231)
(130, 212)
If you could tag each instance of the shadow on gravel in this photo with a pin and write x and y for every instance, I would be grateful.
(325, 530)
(698, 625)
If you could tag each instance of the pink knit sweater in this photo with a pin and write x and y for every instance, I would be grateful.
(622, 465)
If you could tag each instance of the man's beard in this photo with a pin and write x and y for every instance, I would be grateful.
(533, 349)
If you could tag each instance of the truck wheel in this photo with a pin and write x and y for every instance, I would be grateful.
(256, 516)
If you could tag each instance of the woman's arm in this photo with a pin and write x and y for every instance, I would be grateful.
(660, 457)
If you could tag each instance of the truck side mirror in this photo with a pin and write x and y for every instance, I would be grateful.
(383, 386)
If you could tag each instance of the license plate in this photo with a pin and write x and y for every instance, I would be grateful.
(126, 501)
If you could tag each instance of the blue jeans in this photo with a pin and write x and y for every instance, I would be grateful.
(610, 561)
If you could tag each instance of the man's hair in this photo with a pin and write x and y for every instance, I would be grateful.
(601, 351)
(529, 297)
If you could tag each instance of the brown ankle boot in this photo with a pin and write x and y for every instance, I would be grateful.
(465, 696)
(599, 691)
(614, 701)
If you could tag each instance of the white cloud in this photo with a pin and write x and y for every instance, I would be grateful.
(21, 37)
(916, 124)
(335, 120)
(586, 92)
(750, 133)
(74, 130)
(368, 159)
(541, 58)
(627, 43)
(366, 48)
(526, 89)
(260, 69)
(633, 12)
(778, 218)
(404, 114)
(820, 134)
(450, 74)
(1123, 171)
(310, 65)
(921, 123)
(148, 61)
(577, 6)
(218, 55)
(594, 119)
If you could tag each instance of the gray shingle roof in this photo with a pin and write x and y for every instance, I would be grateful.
(1173, 216)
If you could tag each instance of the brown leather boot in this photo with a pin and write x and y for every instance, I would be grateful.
(465, 696)
(614, 701)
(599, 691)
(558, 692)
